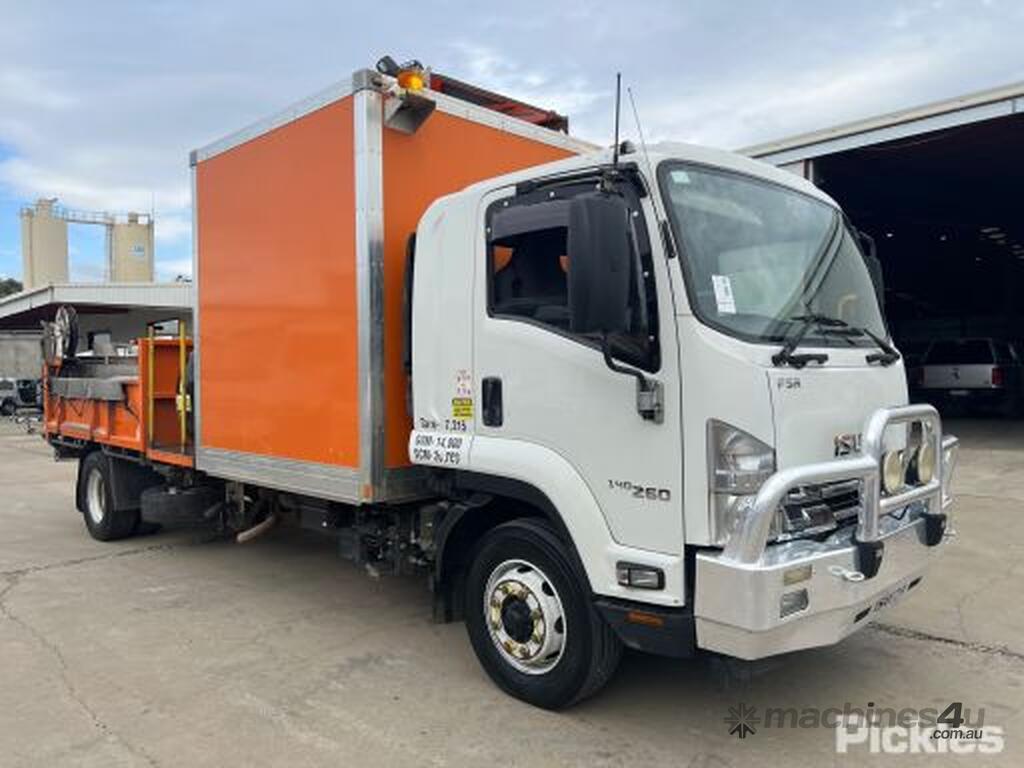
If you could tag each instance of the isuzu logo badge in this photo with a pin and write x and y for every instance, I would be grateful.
(847, 443)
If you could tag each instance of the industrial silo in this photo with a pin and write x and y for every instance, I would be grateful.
(131, 250)
(44, 245)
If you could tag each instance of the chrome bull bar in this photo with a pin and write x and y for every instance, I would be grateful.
(746, 546)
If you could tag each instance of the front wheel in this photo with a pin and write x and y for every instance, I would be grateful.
(104, 521)
(531, 621)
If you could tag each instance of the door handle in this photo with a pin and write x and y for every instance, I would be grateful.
(492, 405)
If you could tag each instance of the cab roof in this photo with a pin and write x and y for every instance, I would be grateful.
(656, 154)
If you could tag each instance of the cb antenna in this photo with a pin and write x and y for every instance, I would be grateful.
(618, 98)
(643, 145)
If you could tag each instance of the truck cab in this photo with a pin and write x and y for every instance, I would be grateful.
(682, 356)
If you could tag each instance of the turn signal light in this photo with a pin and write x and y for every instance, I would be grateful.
(645, 619)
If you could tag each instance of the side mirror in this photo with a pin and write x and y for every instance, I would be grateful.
(600, 250)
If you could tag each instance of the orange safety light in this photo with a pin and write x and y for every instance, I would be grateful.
(412, 79)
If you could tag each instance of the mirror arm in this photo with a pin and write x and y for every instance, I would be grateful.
(649, 393)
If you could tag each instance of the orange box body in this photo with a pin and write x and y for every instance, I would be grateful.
(302, 225)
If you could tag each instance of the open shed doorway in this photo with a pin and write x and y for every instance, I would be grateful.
(946, 210)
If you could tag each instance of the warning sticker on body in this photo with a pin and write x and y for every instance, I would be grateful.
(462, 408)
(724, 299)
(463, 383)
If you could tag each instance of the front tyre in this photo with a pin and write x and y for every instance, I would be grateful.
(96, 501)
(531, 621)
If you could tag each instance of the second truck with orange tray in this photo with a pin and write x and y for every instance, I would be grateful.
(600, 397)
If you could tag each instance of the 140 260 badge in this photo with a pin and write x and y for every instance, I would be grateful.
(640, 491)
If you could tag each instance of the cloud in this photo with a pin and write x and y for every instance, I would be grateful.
(81, 271)
(171, 269)
(172, 228)
(495, 70)
(32, 89)
(104, 113)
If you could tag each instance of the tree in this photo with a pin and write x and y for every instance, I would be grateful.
(9, 285)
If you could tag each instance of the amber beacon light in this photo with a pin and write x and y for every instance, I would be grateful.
(412, 76)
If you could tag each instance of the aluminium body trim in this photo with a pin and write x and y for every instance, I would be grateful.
(287, 115)
(367, 79)
(197, 397)
(310, 478)
(303, 477)
(369, 232)
(364, 79)
(513, 125)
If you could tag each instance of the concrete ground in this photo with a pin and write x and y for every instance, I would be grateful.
(177, 650)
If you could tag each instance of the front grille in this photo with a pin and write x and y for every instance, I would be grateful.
(819, 507)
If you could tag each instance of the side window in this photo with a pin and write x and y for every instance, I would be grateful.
(529, 277)
(528, 268)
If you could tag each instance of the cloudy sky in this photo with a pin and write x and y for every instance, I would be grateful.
(100, 102)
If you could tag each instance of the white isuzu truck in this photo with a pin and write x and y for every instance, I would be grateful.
(682, 362)
(621, 398)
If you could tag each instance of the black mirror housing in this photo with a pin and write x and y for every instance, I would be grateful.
(600, 251)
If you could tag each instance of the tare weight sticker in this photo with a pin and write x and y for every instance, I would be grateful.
(439, 449)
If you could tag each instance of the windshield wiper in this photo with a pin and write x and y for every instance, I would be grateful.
(823, 261)
(886, 356)
(786, 356)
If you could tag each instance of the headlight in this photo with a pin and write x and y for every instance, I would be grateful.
(893, 475)
(739, 464)
(921, 469)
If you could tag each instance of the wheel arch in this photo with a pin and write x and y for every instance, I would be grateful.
(127, 479)
(493, 501)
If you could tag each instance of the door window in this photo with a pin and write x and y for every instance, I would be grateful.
(528, 267)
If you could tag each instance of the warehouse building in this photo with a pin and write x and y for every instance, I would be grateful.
(109, 314)
(938, 187)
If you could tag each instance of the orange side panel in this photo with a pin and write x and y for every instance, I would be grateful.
(446, 154)
(277, 293)
(125, 423)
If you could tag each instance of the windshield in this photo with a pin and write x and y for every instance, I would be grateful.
(757, 255)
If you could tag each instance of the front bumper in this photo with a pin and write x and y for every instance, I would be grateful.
(747, 602)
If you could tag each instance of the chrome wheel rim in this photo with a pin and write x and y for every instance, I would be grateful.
(524, 617)
(96, 496)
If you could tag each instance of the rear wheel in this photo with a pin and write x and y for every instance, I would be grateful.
(531, 621)
(104, 521)
(7, 407)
